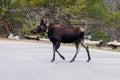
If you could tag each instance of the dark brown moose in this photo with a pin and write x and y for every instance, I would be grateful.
(58, 33)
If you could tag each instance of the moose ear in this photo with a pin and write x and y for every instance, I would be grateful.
(42, 21)
(45, 21)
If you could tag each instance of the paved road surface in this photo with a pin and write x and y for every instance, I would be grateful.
(31, 61)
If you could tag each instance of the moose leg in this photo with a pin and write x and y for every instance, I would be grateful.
(86, 47)
(55, 48)
(53, 53)
(60, 55)
(77, 50)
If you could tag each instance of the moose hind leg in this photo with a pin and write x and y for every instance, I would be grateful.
(87, 49)
(77, 50)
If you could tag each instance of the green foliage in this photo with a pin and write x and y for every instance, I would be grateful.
(66, 11)
(98, 35)
(114, 21)
(75, 11)
(9, 11)
(45, 35)
(25, 29)
(16, 17)
(97, 9)
(76, 8)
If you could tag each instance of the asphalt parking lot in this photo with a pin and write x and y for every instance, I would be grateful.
(21, 60)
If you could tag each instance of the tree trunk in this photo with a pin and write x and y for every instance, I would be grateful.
(7, 27)
(114, 29)
(114, 34)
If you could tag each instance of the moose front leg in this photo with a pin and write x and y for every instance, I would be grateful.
(87, 49)
(53, 53)
(55, 49)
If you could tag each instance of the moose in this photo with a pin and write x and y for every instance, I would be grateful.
(58, 33)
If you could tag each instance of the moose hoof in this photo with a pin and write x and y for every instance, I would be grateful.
(52, 60)
(71, 61)
(63, 58)
(88, 60)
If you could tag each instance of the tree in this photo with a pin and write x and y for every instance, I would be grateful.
(51, 8)
(114, 20)
(100, 14)
(10, 14)
(75, 12)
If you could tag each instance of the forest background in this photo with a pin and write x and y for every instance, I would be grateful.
(101, 16)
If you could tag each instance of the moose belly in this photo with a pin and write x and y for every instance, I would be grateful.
(68, 39)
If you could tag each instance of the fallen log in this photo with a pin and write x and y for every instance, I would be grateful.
(94, 43)
(31, 37)
(114, 45)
